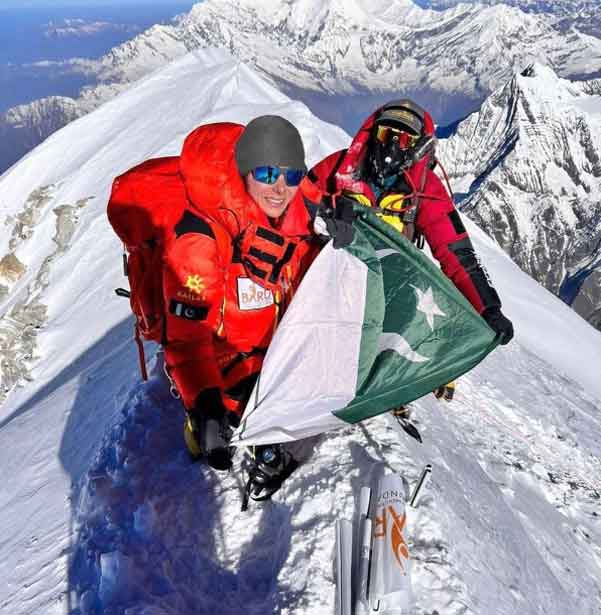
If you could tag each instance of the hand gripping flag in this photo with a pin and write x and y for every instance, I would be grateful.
(372, 326)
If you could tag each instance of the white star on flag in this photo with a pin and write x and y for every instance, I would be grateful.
(427, 305)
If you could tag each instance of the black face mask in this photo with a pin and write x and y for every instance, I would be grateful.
(387, 160)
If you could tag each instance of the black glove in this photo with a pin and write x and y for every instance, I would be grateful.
(499, 323)
(339, 219)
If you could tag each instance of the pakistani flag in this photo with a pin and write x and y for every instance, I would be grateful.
(372, 326)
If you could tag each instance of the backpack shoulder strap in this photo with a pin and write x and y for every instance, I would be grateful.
(190, 222)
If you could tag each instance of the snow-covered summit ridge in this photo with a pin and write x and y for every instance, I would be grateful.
(75, 167)
(101, 511)
(530, 161)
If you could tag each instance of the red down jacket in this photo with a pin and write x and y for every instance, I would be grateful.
(437, 219)
(228, 273)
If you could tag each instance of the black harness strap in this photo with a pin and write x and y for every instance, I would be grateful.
(236, 254)
(270, 259)
(265, 233)
(277, 269)
(260, 273)
(410, 216)
(241, 356)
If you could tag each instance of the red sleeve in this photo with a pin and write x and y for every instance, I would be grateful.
(441, 225)
(193, 288)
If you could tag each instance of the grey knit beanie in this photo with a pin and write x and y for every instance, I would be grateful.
(269, 140)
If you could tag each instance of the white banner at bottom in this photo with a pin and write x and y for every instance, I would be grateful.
(390, 574)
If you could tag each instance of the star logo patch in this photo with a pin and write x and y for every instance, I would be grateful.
(195, 284)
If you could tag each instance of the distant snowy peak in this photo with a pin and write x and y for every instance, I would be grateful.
(528, 112)
(24, 126)
(367, 45)
(146, 52)
(333, 46)
(562, 14)
(343, 58)
(530, 161)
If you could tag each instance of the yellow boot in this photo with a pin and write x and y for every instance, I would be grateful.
(191, 443)
(445, 392)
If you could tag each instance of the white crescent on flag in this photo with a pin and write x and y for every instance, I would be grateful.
(396, 342)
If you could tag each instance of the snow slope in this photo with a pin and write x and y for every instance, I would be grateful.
(101, 510)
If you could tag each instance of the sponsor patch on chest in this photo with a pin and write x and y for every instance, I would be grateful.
(251, 296)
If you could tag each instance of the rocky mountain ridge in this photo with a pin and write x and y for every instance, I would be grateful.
(529, 167)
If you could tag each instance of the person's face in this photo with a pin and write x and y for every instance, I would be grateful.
(271, 198)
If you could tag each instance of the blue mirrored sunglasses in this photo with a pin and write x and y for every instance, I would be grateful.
(269, 175)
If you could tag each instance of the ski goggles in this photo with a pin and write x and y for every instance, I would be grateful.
(388, 134)
(270, 174)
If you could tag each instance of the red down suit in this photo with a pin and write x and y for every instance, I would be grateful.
(228, 273)
(437, 219)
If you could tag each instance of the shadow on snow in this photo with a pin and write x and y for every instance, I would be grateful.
(147, 525)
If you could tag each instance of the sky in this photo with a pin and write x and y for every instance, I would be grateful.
(21, 81)
(25, 4)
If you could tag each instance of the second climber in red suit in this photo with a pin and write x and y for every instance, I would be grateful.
(390, 166)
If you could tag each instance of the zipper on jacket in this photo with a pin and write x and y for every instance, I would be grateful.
(221, 327)
(290, 286)
(277, 299)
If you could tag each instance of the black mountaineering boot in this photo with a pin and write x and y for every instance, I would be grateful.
(271, 466)
(208, 432)
(214, 434)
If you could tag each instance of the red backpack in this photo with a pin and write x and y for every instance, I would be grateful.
(145, 204)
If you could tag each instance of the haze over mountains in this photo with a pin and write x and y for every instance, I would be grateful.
(341, 58)
(39, 42)
(103, 513)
